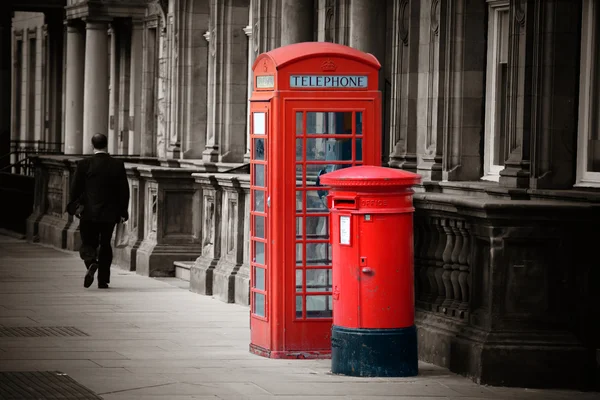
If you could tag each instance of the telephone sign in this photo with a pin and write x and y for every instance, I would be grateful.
(329, 81)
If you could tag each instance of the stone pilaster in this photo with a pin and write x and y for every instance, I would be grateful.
(173, 134)
(196, 82)
(366, 30)
(464, 99)
(74, 81)
(333, 18)
(95, 98)
(297, 20)
(148, 146)
(227, 88)
(404, 84)
(520, 69)
(266, 25)
(135, 92)
(555, 87)
(430, 100)
(193, 74)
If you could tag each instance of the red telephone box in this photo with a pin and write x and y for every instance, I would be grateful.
(315, 108)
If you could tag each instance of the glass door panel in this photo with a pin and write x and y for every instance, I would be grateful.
(325, 141)
(259, 215)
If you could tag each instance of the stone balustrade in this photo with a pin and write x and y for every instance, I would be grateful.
(500, 281)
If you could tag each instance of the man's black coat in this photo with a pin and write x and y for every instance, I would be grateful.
(100, 186)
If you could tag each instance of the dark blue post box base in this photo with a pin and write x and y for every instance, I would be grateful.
(374, 352)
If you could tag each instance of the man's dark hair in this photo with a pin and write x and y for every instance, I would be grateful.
(99, 141)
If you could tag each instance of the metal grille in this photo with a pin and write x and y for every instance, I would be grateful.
(40, 331)
(42, 385)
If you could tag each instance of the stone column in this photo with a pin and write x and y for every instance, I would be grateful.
(113, 101)
(74, 89)
(55, 85)
(124, 87)
(5, 88)
(135, 91)
(95, 99)
(227, 88)
(297, 20)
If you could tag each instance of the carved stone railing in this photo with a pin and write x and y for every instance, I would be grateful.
(442, 265)
(502, 287)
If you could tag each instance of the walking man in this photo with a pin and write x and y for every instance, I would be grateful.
(100, 198)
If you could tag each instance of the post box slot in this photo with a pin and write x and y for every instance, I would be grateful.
(345, 203)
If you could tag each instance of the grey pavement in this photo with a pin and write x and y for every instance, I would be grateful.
(152, 339)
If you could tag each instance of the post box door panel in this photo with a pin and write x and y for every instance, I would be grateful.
(346, 280)
(386, 293)
(321, 137)
(259, 223)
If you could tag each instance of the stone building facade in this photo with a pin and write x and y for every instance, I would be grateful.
(496, 103)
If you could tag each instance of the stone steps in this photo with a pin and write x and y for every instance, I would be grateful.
(182, 269)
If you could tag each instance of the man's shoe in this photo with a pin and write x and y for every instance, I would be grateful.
(102, 285)
(89, 276)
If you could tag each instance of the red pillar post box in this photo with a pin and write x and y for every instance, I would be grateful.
(373, 330)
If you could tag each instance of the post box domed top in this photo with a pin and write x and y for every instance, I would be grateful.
(299, 51)
(370, 176)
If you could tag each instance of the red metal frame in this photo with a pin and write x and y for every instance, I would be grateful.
(279, 331)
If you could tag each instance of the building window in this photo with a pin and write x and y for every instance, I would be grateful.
(496, 89)
(588, 152)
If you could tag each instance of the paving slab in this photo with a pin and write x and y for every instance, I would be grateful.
(151, 339)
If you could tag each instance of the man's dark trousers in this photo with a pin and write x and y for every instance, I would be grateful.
(94, 235)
